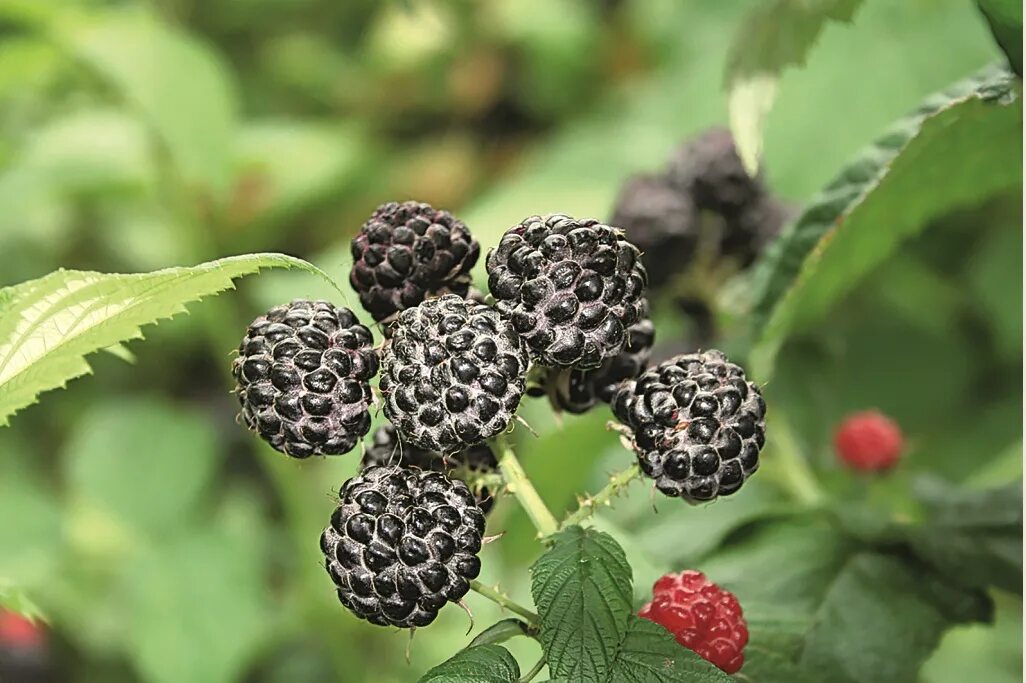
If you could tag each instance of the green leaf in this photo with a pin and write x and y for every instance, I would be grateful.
(582, 588)
(479, 664)
(1005, 20)
(48, 325)
(179, 86)
(773, 36)
(973, 537)
(765, 665)
(803, 603)
(878, 622)
(155, 489)
(198, 605)
(500, 632)
(885, 196)
(12, 599)
(649, 654)
(990, 269)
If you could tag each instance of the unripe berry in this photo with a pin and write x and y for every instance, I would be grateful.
(868, 441)
(701, 616)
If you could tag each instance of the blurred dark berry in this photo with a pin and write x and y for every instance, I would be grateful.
(661, 221)
(708, 169)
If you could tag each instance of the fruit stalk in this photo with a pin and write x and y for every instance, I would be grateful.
(617, 483)
(504, 600)
(520, 486)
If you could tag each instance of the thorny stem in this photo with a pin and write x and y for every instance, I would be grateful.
(520, 486)
(478, 480)
(505, 601)
(587, 506)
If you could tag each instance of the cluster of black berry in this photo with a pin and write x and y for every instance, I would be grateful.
(569, 299)
(699, 220)
(703, 204)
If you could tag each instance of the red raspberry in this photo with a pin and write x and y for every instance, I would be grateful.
(868, 441)
(18, 632)
(702, 616)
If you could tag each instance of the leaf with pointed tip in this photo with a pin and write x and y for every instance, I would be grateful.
(49, 325)
(582, 588)
(773, 36)
(501, 631)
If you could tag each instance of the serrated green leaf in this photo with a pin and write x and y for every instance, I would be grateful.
(1005, 20)
(773, 36)
(500, 632)
(803, 605)
(885, 196)
(48, 325)
(878, 622)
(649, 654)
(178, 84)
(12, 599)
(479, 664)
(582, 588)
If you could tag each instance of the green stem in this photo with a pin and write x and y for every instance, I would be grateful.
(617, 483)
(520, 486)
(535, 670)
(793, 471)
(505, 601)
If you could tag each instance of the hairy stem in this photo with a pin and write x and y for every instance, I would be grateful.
(587, 506)
(505, 601)
(520, 486)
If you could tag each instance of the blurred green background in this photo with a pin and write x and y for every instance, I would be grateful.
(166, 544)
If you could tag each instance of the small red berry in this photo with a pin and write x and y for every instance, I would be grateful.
(702, 617)
(868, 441)
(18, 632)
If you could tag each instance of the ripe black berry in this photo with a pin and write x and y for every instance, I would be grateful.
(662, 222)
(571, 288)
(388, 450)
(407, 251)
(577, 391)
(402, 543)
(302, 378)
(708, 168)
(452, 374)
(696, 424)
